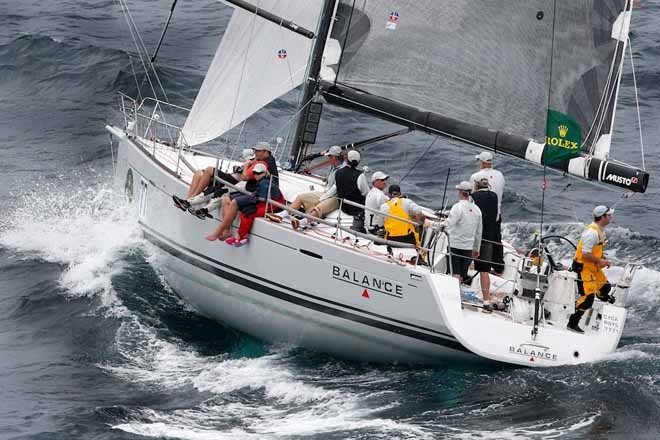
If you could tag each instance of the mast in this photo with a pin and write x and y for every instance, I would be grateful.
(312, 83)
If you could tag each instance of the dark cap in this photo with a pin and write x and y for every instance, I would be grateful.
(394, 189)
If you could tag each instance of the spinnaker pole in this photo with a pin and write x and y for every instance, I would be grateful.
(312, 82)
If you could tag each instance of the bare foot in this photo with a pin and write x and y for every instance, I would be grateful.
(224, 235)
(212, 237)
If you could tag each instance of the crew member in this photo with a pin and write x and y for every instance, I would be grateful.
(202, 187)
(486, 200)
(464, 228)
(352, 185)
(496, 184)
(375, 199)
(588, 263)
(398, 206)
(317, 203)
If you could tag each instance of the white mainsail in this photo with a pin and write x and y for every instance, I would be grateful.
(256, 62)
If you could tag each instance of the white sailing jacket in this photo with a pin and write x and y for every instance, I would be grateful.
(464, 226)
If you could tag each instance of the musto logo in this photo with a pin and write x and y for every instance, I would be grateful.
(627, 181)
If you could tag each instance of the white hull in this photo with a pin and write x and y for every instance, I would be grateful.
(292, 286)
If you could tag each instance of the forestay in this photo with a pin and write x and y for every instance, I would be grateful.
(256, 62)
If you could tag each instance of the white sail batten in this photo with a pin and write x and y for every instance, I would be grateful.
(257, 61)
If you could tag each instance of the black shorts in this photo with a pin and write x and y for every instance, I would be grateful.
(410, 239)
(485, 261)
(247, 204)
(460, 261)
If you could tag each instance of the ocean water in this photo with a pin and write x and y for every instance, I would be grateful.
(95, 345)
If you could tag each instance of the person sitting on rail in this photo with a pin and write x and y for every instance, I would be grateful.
(228, 210)
(202, 189)
(317, 203)
(375, 199)
(406, 209)
(250, 206)
(263, 154)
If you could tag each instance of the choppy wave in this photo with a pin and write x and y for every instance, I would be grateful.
(86, 230)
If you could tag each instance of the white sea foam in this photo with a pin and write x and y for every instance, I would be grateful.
(545, 430)
(291, 403)
(625, 355)
(85, 230)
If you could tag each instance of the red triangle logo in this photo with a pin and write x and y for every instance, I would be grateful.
(365, 294)
(531, 359)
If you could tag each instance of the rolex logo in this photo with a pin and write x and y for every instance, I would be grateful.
(563, 130)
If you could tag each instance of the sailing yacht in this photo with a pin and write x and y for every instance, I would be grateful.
(532, 80)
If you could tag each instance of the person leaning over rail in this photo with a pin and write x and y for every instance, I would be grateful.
(316, 203)
(231, 201)
(352, 185)
(588, 264)
(496, 183)
(250, 206)
(202, 189)
(375, 199)
(486, 200)
(402, 207)
(262, 152)
(464, 228)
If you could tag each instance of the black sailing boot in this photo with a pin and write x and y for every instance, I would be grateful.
(574, 320)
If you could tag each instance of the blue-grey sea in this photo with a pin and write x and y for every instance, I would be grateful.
(95, 345)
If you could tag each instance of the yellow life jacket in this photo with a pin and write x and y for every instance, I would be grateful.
(596, 251)
(397, 228)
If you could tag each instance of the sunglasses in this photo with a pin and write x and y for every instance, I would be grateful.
(258, 173)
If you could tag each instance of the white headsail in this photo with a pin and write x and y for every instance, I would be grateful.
(256, 62)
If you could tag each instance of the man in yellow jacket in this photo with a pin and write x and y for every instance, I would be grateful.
(399, 206)
(588, 263)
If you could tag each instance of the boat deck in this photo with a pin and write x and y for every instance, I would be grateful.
(292, 184)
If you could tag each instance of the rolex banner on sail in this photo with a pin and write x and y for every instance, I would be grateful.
(563, 138)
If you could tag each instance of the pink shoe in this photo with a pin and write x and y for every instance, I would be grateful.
(230, 241)
(241, 242)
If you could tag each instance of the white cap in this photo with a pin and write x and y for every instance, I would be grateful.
(353, 156)
(335, 150)
(601, 210)
(248, 154)
(259, 168)
(379, 175)
(484, 156)
(262, 146)
(464, 186)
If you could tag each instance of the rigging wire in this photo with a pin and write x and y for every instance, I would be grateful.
(600, 116)
(137, 83)
(610, 96)
(545, 162)
(137, 46)
(146, 52)
(418, 159)
(639, 117)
